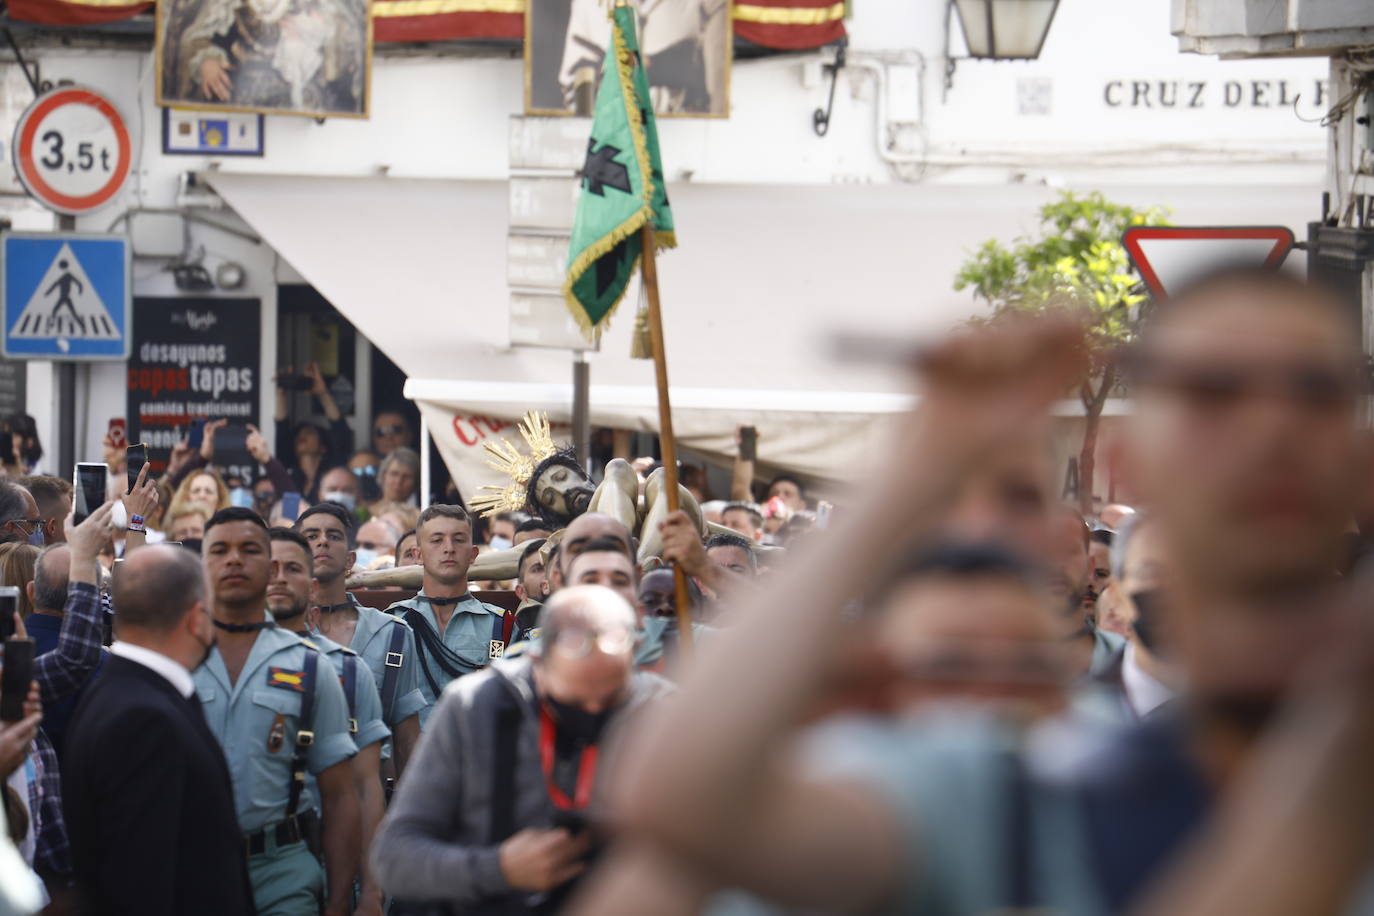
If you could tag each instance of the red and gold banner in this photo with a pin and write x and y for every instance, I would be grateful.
(447, 20)
(74, 12)
(788, 25)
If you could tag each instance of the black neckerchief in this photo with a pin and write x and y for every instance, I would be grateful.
(334, 608)
(444, 602)
(246, 627)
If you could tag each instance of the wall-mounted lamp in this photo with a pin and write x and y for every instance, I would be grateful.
(1001, 29)
(1006, 29)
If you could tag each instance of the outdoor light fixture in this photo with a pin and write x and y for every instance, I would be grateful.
(1005, 29)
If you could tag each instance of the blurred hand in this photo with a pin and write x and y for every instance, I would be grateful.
(991, 383)
(16, 738)
(682, 544)
(207, 445)
(181, 453)
(86, 539)
(143, 500)
(257, 445)
(317, 387)
(540, 860)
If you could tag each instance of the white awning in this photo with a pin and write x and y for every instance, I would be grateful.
(763, 280)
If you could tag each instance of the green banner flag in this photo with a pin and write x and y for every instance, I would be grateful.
(622, 186)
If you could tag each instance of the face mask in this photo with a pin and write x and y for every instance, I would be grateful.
(242, 497)
(576, 722)
(1146, 624)
(36, 537)
(364, 557)
(340, 497)
(500, 543)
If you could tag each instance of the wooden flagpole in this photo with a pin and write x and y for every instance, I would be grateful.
(665, 422)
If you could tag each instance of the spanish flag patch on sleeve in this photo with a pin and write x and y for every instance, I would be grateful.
(286, 679)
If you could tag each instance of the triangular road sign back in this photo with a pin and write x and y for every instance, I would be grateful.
(65, 305)
(1168, 256)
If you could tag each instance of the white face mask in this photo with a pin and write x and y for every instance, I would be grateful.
(339, 496)
(501, 543)
(364, 558)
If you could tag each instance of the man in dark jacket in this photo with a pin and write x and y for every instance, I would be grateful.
(147, 792)
(497, 812)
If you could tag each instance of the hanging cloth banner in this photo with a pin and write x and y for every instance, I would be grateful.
(786, 25)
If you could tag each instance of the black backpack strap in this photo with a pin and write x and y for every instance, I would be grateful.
(305, 736)
(349, 679)
(503, 773)
(500, 634)
(395, 658)
(423, 635)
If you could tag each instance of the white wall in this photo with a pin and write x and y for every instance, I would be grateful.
(1073, 118)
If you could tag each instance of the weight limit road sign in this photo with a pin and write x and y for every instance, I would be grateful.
(72, 150)
(1168, 256)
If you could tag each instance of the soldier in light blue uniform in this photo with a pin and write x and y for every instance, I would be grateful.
(384, 642)
(454, 632)
(288, 598)
(278, 710)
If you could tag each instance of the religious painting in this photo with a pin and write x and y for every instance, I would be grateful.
(301, 57)
(686, 45)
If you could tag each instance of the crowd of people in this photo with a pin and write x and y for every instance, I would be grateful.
(949, 693)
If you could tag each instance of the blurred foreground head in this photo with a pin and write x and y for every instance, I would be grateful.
(974, 622)
(1243, 442)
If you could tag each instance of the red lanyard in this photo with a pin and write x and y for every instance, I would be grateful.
(586, 767)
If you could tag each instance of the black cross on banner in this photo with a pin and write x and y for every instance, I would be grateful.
(601, 170)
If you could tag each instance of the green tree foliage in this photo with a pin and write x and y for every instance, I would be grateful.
(1076, 259)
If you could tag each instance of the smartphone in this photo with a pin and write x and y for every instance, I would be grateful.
(748, 443)
(230, 442)
(290, 381)
(91, 484)
(9, 603)
(196, 435)
(290, 506)
(118, 433)
(15, 679)
(136, 456)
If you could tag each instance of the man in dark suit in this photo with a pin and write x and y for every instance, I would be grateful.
(147, 793)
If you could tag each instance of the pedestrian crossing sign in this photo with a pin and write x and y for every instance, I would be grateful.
(65, 296)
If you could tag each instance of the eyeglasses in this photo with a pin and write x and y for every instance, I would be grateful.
(1312, 386)
(388, 430)
(28, 521)
(366, 470)
(373, 545)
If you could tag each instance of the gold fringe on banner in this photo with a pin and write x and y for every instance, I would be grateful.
(781, 15)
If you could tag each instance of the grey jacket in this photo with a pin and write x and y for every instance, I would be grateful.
(435, 842)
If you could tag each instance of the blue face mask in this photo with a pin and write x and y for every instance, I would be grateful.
(241, 497)
(37, 538)
(500, 543)
(363, 557)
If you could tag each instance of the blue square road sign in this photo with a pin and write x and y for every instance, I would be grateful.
(65, 296)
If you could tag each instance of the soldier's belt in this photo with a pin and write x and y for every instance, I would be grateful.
(292, 830)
